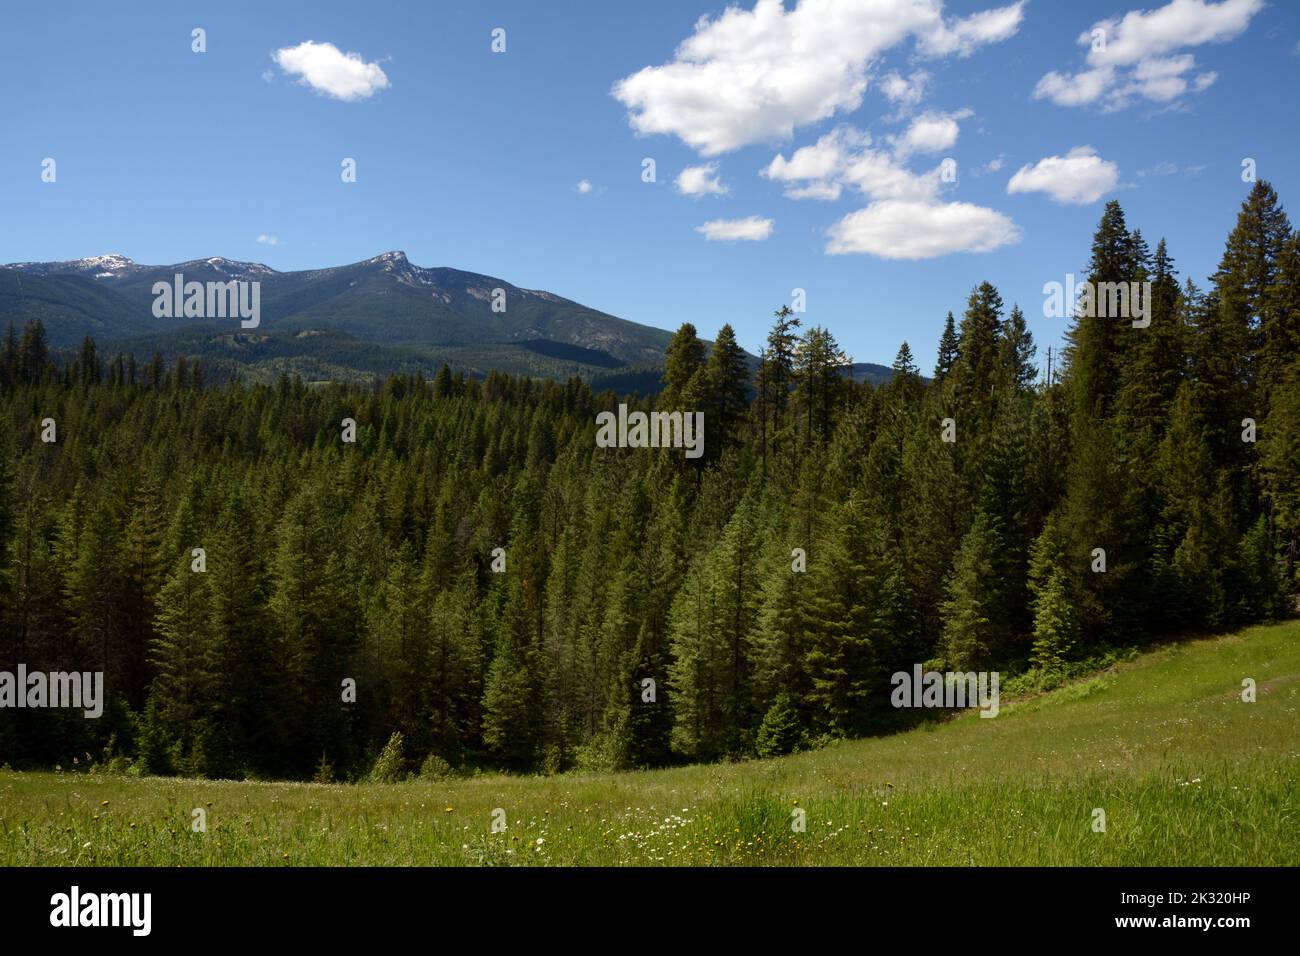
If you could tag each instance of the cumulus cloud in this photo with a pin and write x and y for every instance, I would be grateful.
(750, 76)
(584, 186)
(963, 36)
(1075, 89)
(930, 133)
(327, 69)
(904, 92)
(903, 229)
(266, 240)
(1078, 177)
(751, 228)
(846, 157)
(1138, 56)
(701, 181)
(906, 217)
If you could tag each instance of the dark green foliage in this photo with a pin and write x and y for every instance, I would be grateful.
(650, 608)
(782, 729)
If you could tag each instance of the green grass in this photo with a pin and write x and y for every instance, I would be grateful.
(1186, 773)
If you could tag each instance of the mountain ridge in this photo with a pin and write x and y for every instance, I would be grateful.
(385, 299)
(366, 318)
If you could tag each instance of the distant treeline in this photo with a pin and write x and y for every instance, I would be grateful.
(1169, 455)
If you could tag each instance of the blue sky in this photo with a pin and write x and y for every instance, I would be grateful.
(473, 159)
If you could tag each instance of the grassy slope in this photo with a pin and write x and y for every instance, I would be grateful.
(1186, 772)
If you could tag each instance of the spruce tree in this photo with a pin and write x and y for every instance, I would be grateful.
(949, 350)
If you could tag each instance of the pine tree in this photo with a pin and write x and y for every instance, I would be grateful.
(1094, 353)
(142, 561)
(904, 364)
(971, 625)
(1055, 626)
(1280, 464)
(33, 353)
(782, 729)
(727, 375)
(819, 366)
(9, 359)
(1016, 351)
(697, 672)
(683, 357)
(949, 350)
(509, 720)
(183, 688)
(1246, 289)
(976, 370)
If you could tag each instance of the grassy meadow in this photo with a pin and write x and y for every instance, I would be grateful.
(1184, 770)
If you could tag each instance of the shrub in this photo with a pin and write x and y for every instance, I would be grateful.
(389, 766)
(324, 771)
(435, 768)
(780, 732)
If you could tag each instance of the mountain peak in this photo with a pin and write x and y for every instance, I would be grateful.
(230, 267)
(110, 259)
(109, 266)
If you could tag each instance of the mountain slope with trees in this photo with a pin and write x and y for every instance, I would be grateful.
(505, 593)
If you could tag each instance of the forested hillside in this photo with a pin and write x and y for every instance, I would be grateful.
(1174, 448)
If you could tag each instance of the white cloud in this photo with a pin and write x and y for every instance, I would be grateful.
(963, 36)
(750, 76)
(1137, 55)
(906, 218)
(752, 228)
(878, 176)
(266, 240)
(1078, 177)
(1160, 79)
(1076, 89)
(701, 181)
(327, 69)
(992, 166)
(1142, 34)
(902, 229)
(930, 133)
(814, 172)
(584, 186)
(904, 93)
(845, 157)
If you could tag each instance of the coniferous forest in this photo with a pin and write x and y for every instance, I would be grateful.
(831, 534)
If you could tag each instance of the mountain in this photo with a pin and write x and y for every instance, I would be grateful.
(871, 373)
(386, 300)
(356, 321)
